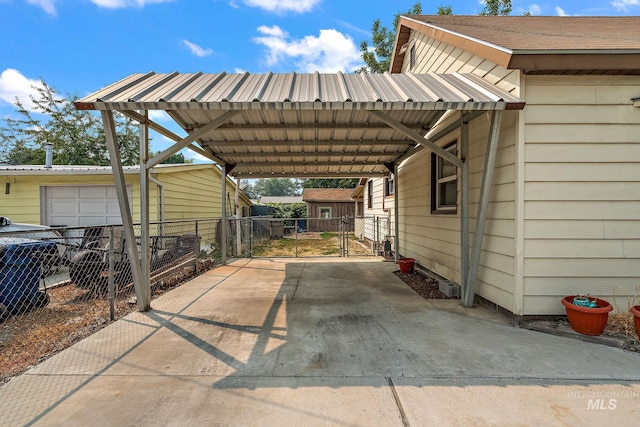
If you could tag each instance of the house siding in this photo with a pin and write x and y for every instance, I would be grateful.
(581, 189)
(434, 56)
(379, 219)
(190, 192)
(434, 240)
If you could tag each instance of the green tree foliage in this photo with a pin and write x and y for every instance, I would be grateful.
(274, 187)
(330, 183)
(496, 7)
(77, 136)
(293, 210)
(174, 159)
(377, 56)
(445, 10)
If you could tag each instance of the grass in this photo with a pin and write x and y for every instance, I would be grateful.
(308, 244)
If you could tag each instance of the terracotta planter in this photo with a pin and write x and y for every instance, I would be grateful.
(587, 320)
(406, 265)
(635, 310)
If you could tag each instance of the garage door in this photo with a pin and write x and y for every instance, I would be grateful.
(82, 205)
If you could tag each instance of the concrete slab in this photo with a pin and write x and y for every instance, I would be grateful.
(322, 341)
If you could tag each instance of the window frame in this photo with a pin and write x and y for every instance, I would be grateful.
(437, 182)
(325, 208)
(389, 185)
(370, 194)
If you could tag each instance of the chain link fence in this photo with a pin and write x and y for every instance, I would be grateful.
(346, 236)
(54, 290)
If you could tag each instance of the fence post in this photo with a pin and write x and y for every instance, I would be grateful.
(196, 249)
(112, 278)
(296, 234)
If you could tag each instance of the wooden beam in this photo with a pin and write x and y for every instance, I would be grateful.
(307, 143)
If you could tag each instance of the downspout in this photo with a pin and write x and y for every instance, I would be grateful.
(161, 189)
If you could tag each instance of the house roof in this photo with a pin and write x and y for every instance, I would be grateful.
(327, 194)
(284, 200)
(91, 169)
(301, 125)
(594, 44)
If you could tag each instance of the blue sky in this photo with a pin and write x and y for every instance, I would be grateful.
(79, 46)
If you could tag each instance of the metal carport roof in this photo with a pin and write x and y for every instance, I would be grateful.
(301, 125)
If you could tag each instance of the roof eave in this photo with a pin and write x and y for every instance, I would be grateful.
(497, 54)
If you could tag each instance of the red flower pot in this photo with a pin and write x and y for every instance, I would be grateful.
(635, 310)
(406, 265)
(587, 320)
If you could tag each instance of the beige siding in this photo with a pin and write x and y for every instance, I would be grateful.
(433, 56)
(434, 240)
(581, 189)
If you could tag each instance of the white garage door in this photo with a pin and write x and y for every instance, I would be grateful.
(82, 205)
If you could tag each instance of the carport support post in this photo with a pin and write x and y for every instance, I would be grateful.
(145, 240)
(223, 226)
(464, 204)
(125, 209)
(396, 219)
(483, 204)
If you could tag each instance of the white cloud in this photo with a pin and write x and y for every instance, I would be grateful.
(197, 50)
(329, 52)
(239, 70)
(560, 11)
(534, 9)
(159, 116)
(623, 5)
(121, 4)
(281, 6)
(49, 6)
(14, 85)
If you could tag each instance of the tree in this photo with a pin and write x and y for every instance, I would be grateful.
(275, 187)
(496, 8)
(377, 57)
(445, 10)
(330, 183)
(77, 136)
(174, 159)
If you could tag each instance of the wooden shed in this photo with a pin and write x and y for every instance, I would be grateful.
(326, 206)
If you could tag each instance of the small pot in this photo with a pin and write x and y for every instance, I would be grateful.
(587, 320)
(635, 310)
(406, 264)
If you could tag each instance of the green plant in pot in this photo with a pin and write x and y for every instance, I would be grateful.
(587, 315)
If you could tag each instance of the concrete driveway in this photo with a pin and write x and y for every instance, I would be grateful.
(340, 342)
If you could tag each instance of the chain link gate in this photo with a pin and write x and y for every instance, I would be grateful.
(309, 237)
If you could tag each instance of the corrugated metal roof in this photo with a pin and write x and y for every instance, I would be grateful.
(303, 125)
(85, 169)
(294, 91)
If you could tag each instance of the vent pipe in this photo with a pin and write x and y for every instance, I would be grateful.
(48, 150)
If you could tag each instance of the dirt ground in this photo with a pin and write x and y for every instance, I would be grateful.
(424, 286)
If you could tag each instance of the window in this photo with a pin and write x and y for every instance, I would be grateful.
(325, 212)
(370, 194)
(389, 186)
(444, 183)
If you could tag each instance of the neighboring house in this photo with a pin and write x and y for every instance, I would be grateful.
(564, 210)
(86, 195)
(328, 204)
(376, 202)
